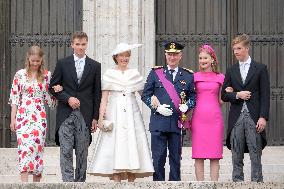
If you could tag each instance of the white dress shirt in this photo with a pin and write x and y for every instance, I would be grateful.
(174, 73)
(244, 68)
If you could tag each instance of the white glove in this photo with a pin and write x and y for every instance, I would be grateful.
(183, 108)
(164, 110)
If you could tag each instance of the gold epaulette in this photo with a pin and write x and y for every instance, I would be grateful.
(190, 71)
(157, 67)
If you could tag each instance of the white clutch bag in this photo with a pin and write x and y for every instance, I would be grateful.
(108, 125)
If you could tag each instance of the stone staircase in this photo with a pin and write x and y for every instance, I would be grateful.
(272, 160)
(146, 185)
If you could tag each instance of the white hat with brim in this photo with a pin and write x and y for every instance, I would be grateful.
(124, 47)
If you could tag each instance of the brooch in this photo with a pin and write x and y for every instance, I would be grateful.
(183, 82)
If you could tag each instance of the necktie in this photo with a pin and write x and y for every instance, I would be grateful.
(172, 75)
(79, 68)
(243, 71)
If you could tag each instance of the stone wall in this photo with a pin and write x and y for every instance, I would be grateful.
(109, 22)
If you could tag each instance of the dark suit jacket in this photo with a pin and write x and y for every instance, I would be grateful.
(88, 91)
(257, 82)
(183, 82)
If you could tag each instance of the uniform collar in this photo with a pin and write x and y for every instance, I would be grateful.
(176, 69)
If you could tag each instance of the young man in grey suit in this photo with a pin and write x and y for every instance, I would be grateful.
(78, 107)
(249, 109)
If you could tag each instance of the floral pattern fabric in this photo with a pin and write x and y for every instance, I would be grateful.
(30, 96)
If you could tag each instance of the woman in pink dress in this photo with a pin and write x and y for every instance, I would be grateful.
(207, 122)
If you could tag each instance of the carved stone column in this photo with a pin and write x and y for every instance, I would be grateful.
(124, 21)
(109, 22)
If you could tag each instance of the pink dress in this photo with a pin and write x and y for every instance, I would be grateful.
(207, 121)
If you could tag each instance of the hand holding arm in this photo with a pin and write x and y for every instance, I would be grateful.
(229, 89)
(57, 88)
(245, 95)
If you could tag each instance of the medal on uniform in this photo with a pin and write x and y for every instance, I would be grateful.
(183, 101)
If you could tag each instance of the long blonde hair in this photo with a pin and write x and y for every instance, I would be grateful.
(35, 50)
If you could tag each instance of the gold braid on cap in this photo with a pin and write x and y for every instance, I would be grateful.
(173, 46)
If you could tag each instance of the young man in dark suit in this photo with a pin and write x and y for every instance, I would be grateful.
(78, 106)
(249, 109)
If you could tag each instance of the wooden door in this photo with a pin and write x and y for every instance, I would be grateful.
(48, 23)
(217, 22)
(264, 21)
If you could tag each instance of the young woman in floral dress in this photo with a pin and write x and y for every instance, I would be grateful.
(28, 116)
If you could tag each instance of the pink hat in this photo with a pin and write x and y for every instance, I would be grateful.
(208, 49)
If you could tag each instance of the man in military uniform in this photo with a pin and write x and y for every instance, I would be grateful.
(167, 84)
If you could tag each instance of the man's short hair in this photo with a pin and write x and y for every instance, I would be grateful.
(79, 35)
(244, 39)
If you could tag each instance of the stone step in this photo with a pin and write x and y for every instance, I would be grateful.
(56, 178)
(148, 185)
(272, 160)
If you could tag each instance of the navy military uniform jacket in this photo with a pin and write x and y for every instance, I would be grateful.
(183, 82)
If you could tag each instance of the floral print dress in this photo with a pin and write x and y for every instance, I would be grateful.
(30, 96)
